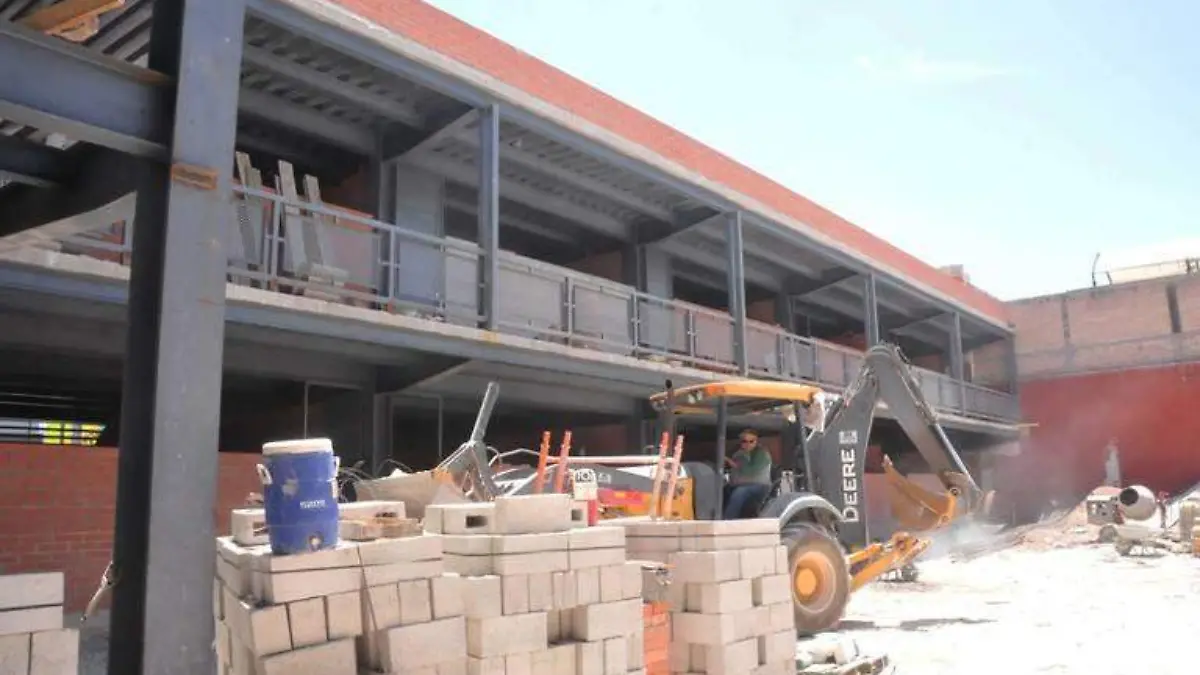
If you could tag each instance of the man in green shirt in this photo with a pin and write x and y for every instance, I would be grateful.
(749, 474)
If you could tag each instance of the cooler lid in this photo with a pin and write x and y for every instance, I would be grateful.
(297, 447)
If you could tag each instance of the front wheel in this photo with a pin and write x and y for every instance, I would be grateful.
(820, 578)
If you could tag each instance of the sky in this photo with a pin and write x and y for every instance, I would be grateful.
(1016, 138)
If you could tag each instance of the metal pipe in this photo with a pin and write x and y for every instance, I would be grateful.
(722, 431)
(485, 412)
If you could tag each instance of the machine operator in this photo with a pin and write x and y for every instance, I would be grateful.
(749, 474)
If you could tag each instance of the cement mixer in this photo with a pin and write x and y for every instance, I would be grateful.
(1134, 525)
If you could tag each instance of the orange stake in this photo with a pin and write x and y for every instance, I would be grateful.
(543, 456)
(560, 470)
(663, 444)
(670, 506)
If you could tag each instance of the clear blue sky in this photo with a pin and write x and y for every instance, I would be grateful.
(1018, 138)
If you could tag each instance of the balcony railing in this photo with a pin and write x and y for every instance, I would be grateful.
(339, 255)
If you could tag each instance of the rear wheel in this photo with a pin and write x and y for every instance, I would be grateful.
(820, 579)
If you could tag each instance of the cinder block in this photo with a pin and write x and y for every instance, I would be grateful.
(371, 509)
(679, 655)
(564, 659)
(728, 542)
(248, 526)
(839, 649)
(16, 621)
(54, 652)
(579, 513)
(376, 575)
(616, 656)
(260, 559)
(222, 643)
(18, 591)
(526, 563)
(774, 647)
(541, 592)
(489, 666)
(587, 586)
(781, 560)
(605, 620)
(518, 664)
(753, 622)
(470, 565)
(483, 597)
(589, 658)
(600, 536)
(635, 650)
(263, 630)
(554, 632)
(504, 635)
(738, 658)
(718, 598)
(14, 654)
(596, 557)
(531, 543)
(422, 645)
(447, 592)
(515, 589)
(565, 588)
(757, 562)
(699, 567)
(416, 602)
(455, 666)
(241, 659)
(238, 579)
(653, 545)
(543, 663)
(284, 587)
(218, 612)
(404, 549)
(344, 615)
(782, 616)
(644, 527)
(711, 528)
(460, 518)
(528, 514)
(380, 607)
(307, 621)
(468, 544)
(566, 623)
(612, 583)
(331, 658)
(770, 590)
(704, 629)
(631, 580)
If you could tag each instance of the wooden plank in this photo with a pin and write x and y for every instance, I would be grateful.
(68, 15)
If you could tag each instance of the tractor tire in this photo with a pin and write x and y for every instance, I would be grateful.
(819, 578)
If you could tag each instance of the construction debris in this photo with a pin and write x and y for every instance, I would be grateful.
(32, 637)
(832, 654)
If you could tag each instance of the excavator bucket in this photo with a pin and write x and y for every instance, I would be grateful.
(915, 508)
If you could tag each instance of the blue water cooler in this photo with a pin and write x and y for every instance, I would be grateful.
(300, 495)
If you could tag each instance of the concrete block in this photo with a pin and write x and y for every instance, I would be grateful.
(285, 587)
(635, 650)
(331, 658)
(565, 589)
(14, 654)
(753, 622)
(525, 563)
(343, 615)
(564, 657)
(376, 575)
(554, 631)
(241, 659)
(470, 565)
(518, 664)
(404, 549)
(566, 623)
(716, 528)
(468, 544)
(483, 597)
(218, 611)
(658, 557)
(380, 607)
(306, 618)
(596, 557)
(222, 643)
(515, 591)
(489, 666)
(263, 630)
(447, 591)
(616, 656)
(781, 560)
(653, 544)
(455, 666)
(605, 620)
(782, 616)
(703, 567)
(541, 592)
(641, 526)
(528, 514)
(631, 580)
(470, 518)
(601, 536)
(757, 562)
(728, 542)
(589, 658)
(378, 508)
(612, 583)
(422, 645)
(832, 648)
(504, 635)
(531, 543)
(587, 586)
(679, 655)
(579, 513)
(19, 591)
(718, 598)
(416, 602)
(775, 647)
(770, 590)
(248, 526)
(260, 559)
(236, 578)
(704, 629)
(676, 596)
(54, 652)
(543, 663)
(738, 658)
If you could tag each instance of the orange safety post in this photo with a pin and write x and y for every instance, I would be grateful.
(560, 471)
(663, 444)
(543, 456)
(670, 507)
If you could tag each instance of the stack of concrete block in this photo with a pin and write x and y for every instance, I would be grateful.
(32, 637)
(543, 596)
(729, 593)
(305, 613)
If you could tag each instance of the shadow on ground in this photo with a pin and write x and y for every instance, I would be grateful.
(910, 625)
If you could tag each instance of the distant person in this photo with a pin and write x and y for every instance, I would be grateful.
(749, 474)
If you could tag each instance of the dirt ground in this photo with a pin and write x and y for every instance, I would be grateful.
(1053, 603)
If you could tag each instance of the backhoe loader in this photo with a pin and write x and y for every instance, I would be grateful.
(818, 491)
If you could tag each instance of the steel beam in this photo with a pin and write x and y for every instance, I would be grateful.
(432, 369)
(736, 280)
(870, 311)
(919, 321)
(662, 233)
(803, 289)
(271, 108)
(99, 177)
(454, 129)
(32, 163)
(956, 347)
(171, 402)
(489, 216)
(55, 85)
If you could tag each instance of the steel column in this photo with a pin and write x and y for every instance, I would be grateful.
(489, 214)
(167, 466)
(1010, 363)
(870, 311)
(736, 279)
(956, 346)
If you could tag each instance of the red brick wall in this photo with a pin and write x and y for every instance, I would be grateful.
(56, 510)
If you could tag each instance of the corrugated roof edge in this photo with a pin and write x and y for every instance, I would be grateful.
(503, 66)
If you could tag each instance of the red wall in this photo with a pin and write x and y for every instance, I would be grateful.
(56, 510)
(1150, 412)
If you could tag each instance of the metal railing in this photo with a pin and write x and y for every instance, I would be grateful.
(339, 255)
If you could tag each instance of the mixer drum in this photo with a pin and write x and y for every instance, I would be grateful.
(1137, 502)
